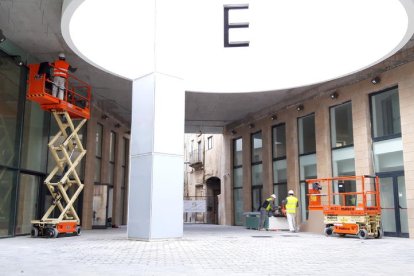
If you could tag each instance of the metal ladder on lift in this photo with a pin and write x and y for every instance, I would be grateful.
(67, 151)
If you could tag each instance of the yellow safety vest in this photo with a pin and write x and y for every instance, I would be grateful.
(291, 204)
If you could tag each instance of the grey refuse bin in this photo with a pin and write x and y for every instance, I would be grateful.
(251, 220)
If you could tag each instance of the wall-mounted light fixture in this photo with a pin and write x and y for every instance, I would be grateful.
(18, 60)
(2, 37)
(273, 117)
(334, 95)
(117, 125)
(376, 80)
(233, 132)
(300, 107)
(251, 126)
(104, 117)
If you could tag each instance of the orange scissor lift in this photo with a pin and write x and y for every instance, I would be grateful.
(66, 148)
(348, 213)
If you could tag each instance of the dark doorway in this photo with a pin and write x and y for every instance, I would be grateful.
(213, 190)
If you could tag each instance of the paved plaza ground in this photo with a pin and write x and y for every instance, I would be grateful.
(206, 250)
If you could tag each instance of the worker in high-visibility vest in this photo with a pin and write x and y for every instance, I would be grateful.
(266, 207)
(60, 75)
(291, 204)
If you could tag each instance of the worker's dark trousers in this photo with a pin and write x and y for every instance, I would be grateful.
(263, 215)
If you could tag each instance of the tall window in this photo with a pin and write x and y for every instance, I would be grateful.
(112, 143)
(307, 158)
(388, 161)
(238, 181)
(386, 131)
(210, 142)
(98, 152)
(124, 179)
(257, 169)
(343, 156)
(279, 162)
(199, 151)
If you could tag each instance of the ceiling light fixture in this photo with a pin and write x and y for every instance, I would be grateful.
(273, 117)
(300, 107)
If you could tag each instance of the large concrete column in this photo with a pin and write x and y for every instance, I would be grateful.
(155, 208)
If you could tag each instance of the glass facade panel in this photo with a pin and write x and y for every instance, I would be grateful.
(280, 190)
(98, 140)
(111, 173)
(257, 147)
(385, 109)
(97, 172)
(343, 161)
(112, 140)
(7, 184)
(402, 202)
(9, 100)
(387, 204)
(256, 198)
(306, 129)
(279, 141)
(35, 132)
(279, 171)
(238, 152)
(238, 177)
(388, 155)
(257, 175)
(100, 196)
(238, 206)
(304, 199)
(307, 166)
(341, 125)
(27, 203)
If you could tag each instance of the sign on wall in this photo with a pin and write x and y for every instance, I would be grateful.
(195, 206)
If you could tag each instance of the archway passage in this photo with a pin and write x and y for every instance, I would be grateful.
(213, 191)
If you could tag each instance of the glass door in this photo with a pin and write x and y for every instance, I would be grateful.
(100, 205)
(394, 204)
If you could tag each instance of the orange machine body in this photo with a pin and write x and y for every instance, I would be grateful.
(77, 94)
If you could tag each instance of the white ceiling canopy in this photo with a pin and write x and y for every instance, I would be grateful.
(292, 43)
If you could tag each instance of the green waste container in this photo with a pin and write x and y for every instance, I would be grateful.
(251, 220)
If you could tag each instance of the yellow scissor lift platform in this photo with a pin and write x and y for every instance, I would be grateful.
(63, 182)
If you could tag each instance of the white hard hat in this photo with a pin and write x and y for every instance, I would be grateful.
(273, 195)
(62, 55)
(291, 192)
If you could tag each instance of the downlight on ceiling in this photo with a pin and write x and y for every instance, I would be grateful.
(199, 57)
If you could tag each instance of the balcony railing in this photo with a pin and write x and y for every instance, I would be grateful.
(195, 159)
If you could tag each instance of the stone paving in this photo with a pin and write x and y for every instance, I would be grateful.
(207, 250)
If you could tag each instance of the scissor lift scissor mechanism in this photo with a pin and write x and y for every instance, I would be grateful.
(66, 148)
(348, 212)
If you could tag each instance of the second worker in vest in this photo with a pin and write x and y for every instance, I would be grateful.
(265, 208)
(60, 75)
(291, 204)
